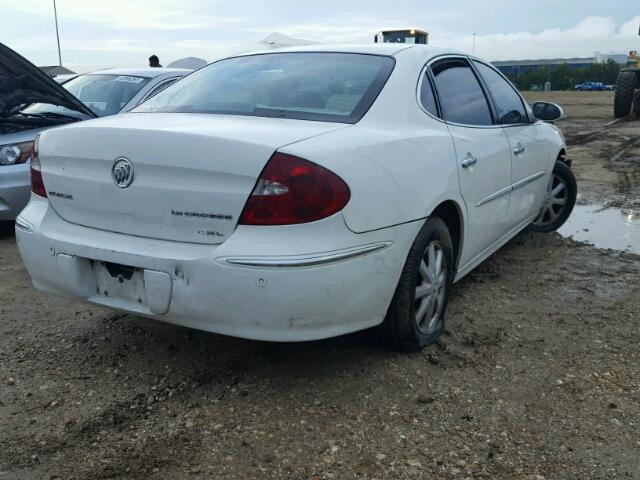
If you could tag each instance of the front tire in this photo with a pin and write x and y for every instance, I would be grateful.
(415, 317)
(560, 198)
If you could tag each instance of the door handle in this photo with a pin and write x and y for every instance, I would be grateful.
(518, 149)
(468, 161)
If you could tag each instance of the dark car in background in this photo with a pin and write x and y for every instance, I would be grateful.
(591, 87)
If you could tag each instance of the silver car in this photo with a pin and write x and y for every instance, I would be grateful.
(31, 101)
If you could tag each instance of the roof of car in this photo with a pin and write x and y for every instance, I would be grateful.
(370, 49)
(148, 72)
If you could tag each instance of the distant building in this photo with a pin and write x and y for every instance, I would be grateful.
(604, 58)
(56, 70)
(517, 67)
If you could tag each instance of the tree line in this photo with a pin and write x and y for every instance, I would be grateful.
(563, 77)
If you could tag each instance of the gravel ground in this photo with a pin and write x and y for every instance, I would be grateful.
(537, 376)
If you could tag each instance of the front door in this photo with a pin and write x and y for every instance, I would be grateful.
(530, 154)
(529, 171)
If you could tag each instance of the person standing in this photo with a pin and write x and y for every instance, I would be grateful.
(154, 61)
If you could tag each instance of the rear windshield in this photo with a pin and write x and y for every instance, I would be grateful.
(332, 87)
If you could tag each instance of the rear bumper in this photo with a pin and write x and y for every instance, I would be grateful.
(293, 283)
(15, 186)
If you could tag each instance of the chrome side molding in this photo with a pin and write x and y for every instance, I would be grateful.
(306, 260)
(22, 224)
(510, 188)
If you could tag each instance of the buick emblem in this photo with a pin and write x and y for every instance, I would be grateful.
(122, 172)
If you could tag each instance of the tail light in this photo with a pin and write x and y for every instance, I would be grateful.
(37, 185)
(293, 190)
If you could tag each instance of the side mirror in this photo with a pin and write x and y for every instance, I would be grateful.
(547, 112)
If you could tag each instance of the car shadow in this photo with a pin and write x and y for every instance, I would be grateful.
(212, 362)
(7, 229)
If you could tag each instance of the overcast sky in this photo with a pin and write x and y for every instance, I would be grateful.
(118, 33)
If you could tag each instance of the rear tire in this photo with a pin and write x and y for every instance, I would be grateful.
(560, 198)
(415, 317)
(625, 88)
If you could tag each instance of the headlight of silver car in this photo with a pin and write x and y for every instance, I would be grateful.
(16, 153)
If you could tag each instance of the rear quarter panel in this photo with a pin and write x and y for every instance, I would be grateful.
(396, 175)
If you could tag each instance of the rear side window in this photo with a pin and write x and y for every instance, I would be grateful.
(332, 87)
(427, 98)
(508, 104)
(161, 86)
(461, 97)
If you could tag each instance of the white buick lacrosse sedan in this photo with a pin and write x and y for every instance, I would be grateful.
(298, 194)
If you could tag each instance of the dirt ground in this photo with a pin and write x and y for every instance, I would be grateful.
(537, 376)
(607, 159)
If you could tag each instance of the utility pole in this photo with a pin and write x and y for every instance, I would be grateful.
(55, 14)
(474, 41)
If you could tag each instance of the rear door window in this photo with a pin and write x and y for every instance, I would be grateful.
(507, 102)
(462, 99)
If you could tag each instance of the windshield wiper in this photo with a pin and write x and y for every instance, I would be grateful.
(49, 115)
(270, 112)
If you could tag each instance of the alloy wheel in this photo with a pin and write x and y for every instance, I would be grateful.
(431, 288)
(554, 203)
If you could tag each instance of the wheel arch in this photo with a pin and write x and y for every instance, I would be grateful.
(562, 157)
(451, 214)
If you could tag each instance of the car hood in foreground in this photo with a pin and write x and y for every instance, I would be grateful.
(22, 83)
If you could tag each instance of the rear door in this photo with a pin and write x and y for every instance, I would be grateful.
(529, 149)
(482, 151)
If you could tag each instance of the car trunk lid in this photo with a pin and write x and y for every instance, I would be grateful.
(191, 174)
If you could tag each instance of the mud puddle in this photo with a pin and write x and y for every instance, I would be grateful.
(604, 227)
